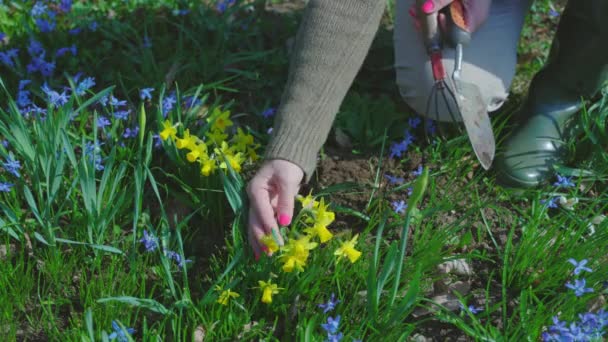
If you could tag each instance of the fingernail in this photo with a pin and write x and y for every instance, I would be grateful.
(284, 219)
(412, 12)
(428, 7)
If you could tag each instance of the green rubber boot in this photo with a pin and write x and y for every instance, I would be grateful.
(576, 70)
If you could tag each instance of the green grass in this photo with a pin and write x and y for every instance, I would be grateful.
(72, 261)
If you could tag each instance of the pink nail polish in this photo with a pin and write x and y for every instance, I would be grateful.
(428, 7)
(412, 12)
(284, 220)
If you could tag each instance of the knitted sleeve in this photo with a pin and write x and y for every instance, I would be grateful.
(330, 46)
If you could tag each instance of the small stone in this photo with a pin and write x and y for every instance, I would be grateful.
(457, 266)
(199, 334)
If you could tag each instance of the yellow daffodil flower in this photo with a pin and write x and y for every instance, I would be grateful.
(269, 242)
(242, 140)
(221, 120)
(197, 152)
(308, 202)
(225, 295)
(268, 289)
(234, 160)
(169, 131)
(207, 165)
(347, 249)
(187, 141)
(216, 137)
(321, 231)
(295, 253)
(323, 216)
(253, 156)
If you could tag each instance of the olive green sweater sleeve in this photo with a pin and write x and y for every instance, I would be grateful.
(330, 46)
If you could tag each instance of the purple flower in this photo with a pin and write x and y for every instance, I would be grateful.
(146, 93)
(93, 153)
(158, 142)
(177, 258)
(93, 26)
(131, 133)
(397, 149)
(150, 241)
(2, 36)
(168, 103)
(414, 122)
(332, 325)
(5, 186)
(62, 51)
(191, 102)
(580, 266)
(330, 305)
(119, 334)
(8, 56)
(222, 5)
(23, 84)
(335, 337)
(12, 166)
(122, 114)
(116, 102)
(103, 122)
(35, 48)
(55, 98)
(565, 182)
(418, 171)
(85, 85)
(550, 203)
(65, 6)
(147, 42)
(410, 190)
(45, 26)
(579, 287)
(471, 308)
(75, 31)
(399, 206)
(23, 99)
(394, 179)
(38, 9)
(268, 112)
(553, 13)
(5, 143)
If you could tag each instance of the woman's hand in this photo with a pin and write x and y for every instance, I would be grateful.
(475, 11)
(272, 193)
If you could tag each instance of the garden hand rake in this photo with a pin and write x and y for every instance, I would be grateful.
(464, 101)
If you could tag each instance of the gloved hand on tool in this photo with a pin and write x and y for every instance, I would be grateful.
(334, 39)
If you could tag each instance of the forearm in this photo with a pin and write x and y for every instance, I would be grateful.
(332, 42)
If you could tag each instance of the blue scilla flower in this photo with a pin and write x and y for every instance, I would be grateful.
(122, 114)
(103, 122)
(332, 325)
(62, 51)
(579, 287)
(119, 334)
(38, 9)
(330, 305)
(65, 6)
(5, 186)
(85, 85)
(564, 182)
(550, 203)
(116, 102)
(54, 98)
(131, 133)
(268, 112)
(399, 206)
(176, 257)
(45, 26)
(146, 94)
(394, 179)
(580, 266)
(12, 166)
(418, 171)
(150, 241)
(414, 122)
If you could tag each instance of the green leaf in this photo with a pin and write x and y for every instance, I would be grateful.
(92, 245)
(419, 189)
(145, 303)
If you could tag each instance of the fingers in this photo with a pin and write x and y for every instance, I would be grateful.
(432, 6)
(254, 234)
(287, 193)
